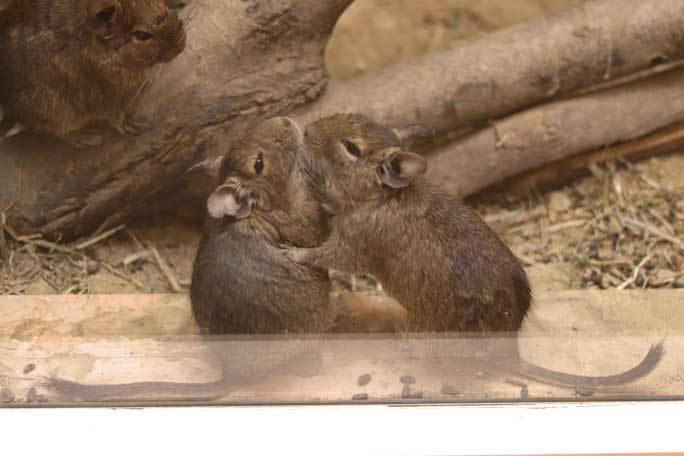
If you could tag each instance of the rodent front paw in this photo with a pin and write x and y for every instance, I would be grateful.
(295, 254)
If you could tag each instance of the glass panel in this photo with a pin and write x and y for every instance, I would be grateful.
(546, 128)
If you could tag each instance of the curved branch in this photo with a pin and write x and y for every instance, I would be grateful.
(244, 61)
(517, 67)
(556, 131)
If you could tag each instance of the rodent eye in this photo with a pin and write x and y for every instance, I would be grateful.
(259, 165)
(106, 14)
(352, 148)
(142, 36)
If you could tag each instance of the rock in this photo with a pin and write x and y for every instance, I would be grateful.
(29, 368)
(364, 380)
(32, 395)
(360, 397)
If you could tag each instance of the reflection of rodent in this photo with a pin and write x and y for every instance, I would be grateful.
(71, 64)
(242, 283)
(430, 252)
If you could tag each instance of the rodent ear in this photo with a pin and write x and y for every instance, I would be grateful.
(414, 134)
(102, 16)
(229, 200)
(401, 168)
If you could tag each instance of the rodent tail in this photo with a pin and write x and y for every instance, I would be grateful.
(541, 374)
(141, 392)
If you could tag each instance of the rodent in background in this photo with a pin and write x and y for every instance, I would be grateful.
(242, 283)
(429, 251)
(69, 65)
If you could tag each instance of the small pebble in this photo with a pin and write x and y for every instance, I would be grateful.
(360, 397)
(42, 398)
(364, 379)
(32, 395)
(92, 267)
(407, 380)
(481, 375)
(29, 368)
(6, 396)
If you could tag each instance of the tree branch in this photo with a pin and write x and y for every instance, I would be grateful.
(250, 60)
(244, 61)
(517, 67)
(556, 131)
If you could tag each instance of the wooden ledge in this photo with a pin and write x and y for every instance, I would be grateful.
(126, 338)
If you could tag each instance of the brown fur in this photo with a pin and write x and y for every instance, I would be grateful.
(66, 67)
(242, 283)
(430, 252)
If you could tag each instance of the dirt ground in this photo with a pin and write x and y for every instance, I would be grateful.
(621, 227)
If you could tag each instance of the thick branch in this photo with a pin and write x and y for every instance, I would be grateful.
(670, 139)
(519, 66)
(244, 61)
(557, 131)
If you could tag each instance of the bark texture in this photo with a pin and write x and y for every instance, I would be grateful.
(553, 132)
(253, 59)
(245, 60)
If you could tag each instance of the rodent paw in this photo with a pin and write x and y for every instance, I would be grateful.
(295, 254)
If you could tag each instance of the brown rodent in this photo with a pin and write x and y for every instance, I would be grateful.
(242, 283)
(71, 65)
(429, 251)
